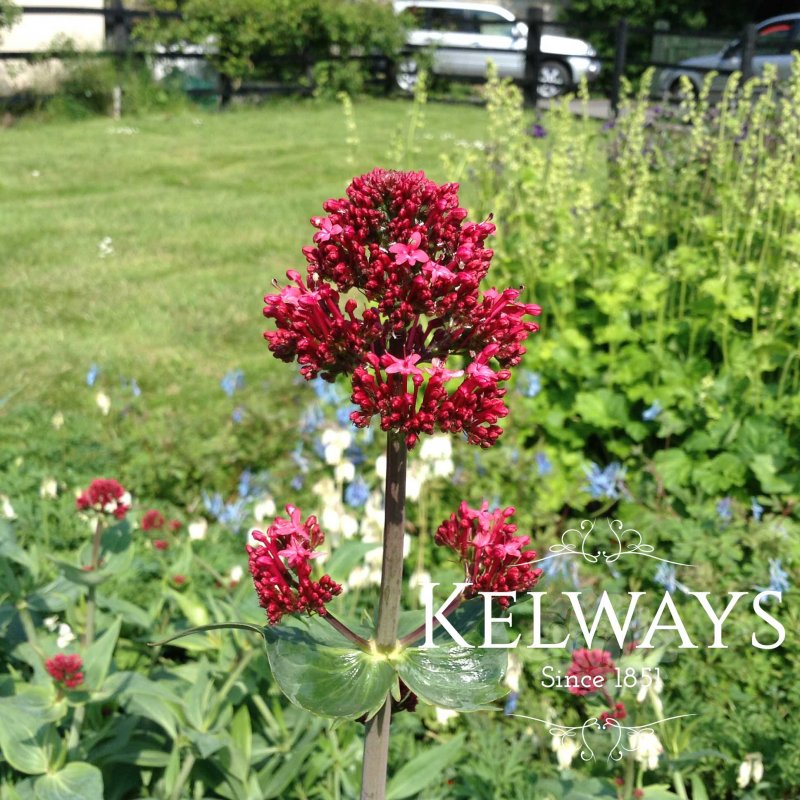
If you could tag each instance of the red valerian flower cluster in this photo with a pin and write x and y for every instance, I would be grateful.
(153, 520)
(105, 496)
(591, 668)
(66, 670)
(281, 567)
(401, 240)
(608, 718)
(490, 550)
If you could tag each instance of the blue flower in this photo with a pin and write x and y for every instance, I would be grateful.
(538, 132)
(724, 510)
(357, 492)
(543, 465)
(343, 413)
(135, 390)
(778, 579)
(232, 381)
(649, 414)
(605, 482)
(297, 483)
(233, 514)
(326, 392)
(530, 384)
(299, 459)
(245, 486)
(757, 509)
(213, 504)
(511, 704)
(665, 576)
(237, 415)
(355, 454)
(312, 419)
(91, 375)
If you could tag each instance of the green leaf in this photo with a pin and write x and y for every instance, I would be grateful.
(26, 733)
(98, 656)
(322, 672)
(674, 468)
(77, 781)
(242, 743)
(765, 469)
(455, 677)
(660, 792)
(346, 556)
(602, 408)
(698, 788)
(424, 769)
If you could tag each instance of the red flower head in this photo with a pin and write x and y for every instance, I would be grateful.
(490, 550)
(175, 525)
(281, 567)
(152, 520)
(607, 718)
(588, 665)
(160, 544)
(66, 670)
(105, 496)
(402, 242)
(179, 580)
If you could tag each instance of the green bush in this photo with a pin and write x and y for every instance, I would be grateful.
(282, 39)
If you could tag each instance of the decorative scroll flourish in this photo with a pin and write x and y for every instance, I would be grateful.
(620, 734)
(587, 543)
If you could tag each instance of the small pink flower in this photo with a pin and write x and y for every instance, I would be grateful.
(327, 229)
(439, 272)
(438, 370)
(401, 366)
(296, 553)
(409, 253)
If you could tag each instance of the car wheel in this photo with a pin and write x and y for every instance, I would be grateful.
(678, 93)
(406, 76)
(554, 79)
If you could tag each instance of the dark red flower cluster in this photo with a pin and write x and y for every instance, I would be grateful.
(490, 550)
(281, 567)
(401, 240)
(106, 496)
(607, 718)
(153, 520)
(66, 670)
(591, 668)
(160, 544)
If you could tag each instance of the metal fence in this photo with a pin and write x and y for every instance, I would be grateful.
(612, 42)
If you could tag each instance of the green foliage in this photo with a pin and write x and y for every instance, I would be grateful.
(281, 39)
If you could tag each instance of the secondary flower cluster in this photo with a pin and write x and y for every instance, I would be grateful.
(591, 668)
(490, 550)
(402, 241)
(105, 496)
(65, 670)
(281, 567)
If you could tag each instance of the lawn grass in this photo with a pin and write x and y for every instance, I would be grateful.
(204, 210)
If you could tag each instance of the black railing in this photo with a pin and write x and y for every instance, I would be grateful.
(613, 47)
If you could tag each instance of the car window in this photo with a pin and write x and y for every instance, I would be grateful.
(414, 16)
(491, 24)
(453, 20)
(774, 39)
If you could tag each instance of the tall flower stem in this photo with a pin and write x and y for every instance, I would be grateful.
(73, 739)
(376, 742)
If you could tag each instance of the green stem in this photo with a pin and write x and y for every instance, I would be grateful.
(78, 717)
(183, 776)
(376, 741)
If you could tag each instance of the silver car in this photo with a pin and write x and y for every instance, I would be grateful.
(464, 37)
(776, 38)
